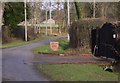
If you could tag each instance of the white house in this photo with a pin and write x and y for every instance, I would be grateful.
(49, 21)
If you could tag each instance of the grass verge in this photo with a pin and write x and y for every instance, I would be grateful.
(18, 43)
(15, 43)
(63, 48)
(77, 72)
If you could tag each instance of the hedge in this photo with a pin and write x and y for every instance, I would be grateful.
(80, 32)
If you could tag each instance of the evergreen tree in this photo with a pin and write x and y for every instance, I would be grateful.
(14, 14)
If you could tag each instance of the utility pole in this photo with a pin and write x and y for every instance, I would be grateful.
(50, 18)
(68, 8)
(94, 9)
(25, 21)
(50, 9)
(46, 23)
(1, 14)
(68, 12)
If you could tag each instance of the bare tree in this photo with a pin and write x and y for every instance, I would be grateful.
(36, 15)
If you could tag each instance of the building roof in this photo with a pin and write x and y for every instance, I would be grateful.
(49, 21)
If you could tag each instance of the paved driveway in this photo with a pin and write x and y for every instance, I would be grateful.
(55, 59)
(17, 62)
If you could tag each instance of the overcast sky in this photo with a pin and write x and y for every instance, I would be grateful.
(46, 5)
(61, 0)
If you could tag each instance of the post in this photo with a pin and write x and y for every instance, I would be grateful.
(68, 8)
(50, 10)
(68, 22)
(46, 23)
(50, 18)
(35, 23)
(25, 21)
(94, 9)
(1, 15)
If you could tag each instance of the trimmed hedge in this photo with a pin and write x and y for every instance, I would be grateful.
(5, 34)
(19, 32)
(80, 32)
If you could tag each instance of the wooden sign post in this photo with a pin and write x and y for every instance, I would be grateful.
(54, 46)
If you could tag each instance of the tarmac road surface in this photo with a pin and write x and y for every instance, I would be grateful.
(17, 62)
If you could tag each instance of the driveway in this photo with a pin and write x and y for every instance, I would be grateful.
(55, 59)
(17, 62)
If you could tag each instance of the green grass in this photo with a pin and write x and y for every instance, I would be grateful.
(77, 72)
(63, 45)
(63, 48)
(12, 44)
(17, 43)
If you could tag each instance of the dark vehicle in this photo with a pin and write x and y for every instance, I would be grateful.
(104, 41)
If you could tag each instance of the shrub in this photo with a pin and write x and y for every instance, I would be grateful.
(80, 33)
(19, 32)
(5, 34)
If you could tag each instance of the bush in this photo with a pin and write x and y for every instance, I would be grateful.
(19, 32)
(80, 32)
(5, 34)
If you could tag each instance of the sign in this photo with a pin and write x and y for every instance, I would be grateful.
(54, 46)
